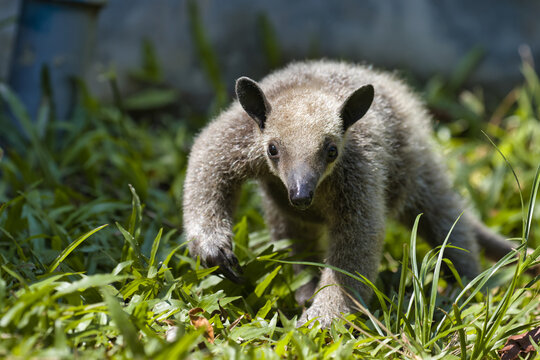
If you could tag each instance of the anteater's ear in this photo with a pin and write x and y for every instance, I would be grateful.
(252, 99)
(356, 105)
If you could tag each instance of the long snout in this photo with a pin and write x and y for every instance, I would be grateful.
(301, 196)
(302, 184)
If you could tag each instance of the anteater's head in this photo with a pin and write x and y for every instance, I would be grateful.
(303, 132)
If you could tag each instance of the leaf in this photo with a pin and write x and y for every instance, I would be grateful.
(436, 273)
(259, 290)
(46, 162)
(281, 345)
(16, 275)
(461, 332)
(183, 345)
(249, 332)
(194, 276)
(241, 239)
(265, 309)
(20, 251)
(121, 266)
(136, 215)
(205, 52)
(532, 202)
(417, 299)
(465, 68)
(150, 70)
(72, 247)
(520, 346)
(402, 283)
(124, 324)
(201, 322)
(165, 263)
(269, 41)
(151, 99)
(133, 286)
(86, 282)
(152, 268)
(130, 240)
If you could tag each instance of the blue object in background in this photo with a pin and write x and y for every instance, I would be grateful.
(57, 34)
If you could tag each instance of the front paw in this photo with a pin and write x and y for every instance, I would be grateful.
(219, 255)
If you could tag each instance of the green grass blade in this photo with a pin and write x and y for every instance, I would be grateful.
(206, 54)
(72, 247)
(465, 68)
(418, 293)
(152, 269)
(16, 275)
(170, 255)
(180, 348)
(133, 246)
(136, 215)
(412, 245)
(472, 288)
(259, 289)
(269, 42)
(92, 281)
(532, 202)
(124, 325)
(515, 177)
(241, 239)
(358, 277)
(155, 247)
(20, 251)
(46, 161)
(479, 345)
(461, 332)
(402, 286)
(436, 275)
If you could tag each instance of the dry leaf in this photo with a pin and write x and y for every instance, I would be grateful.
(520, 345)
(201, 322)
(169, 322)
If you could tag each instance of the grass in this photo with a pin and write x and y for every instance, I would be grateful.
(93, 263)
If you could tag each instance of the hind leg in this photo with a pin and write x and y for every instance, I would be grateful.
(441, 207)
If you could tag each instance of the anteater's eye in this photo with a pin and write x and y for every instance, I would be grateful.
(273, 150)
(332, 153)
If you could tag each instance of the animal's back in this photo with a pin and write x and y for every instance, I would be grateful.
(340, 79)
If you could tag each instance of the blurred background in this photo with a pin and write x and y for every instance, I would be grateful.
(249, 37)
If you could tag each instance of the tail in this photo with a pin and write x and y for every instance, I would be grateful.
(495, 246)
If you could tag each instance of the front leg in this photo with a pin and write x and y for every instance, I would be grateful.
(222, 157)
(356, 246)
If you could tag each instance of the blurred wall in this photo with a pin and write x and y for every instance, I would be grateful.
(8, 13)
(424, 36)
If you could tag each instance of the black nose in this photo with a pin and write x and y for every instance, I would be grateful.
(301, 198)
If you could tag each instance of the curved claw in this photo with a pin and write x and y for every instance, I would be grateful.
(232, 274)
(228, 265)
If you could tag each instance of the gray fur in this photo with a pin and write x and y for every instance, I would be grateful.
(386, 167)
